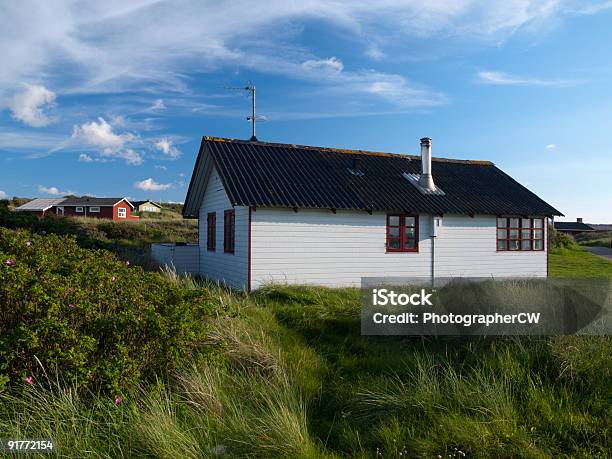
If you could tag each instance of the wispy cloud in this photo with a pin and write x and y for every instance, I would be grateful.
(158, 105)
(28, 105)
(151, 185)
(551, 146)
(106, 54)
(506, 79)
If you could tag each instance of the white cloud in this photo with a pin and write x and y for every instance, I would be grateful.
(28, 106)
(163, 168)
(158, 105)
(505, 79)
(167, 148)
(116, 46)
(84, 158)
(551, 146)
(100, 134)
(333, 64)
(3, 195)
(151, 185)
(53, 190)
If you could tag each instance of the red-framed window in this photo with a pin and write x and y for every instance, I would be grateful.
(229, 230)
(520, 234)
(211, 231)
(402, 233)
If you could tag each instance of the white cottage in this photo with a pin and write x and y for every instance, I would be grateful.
(308, 215)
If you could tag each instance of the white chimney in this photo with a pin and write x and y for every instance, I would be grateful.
(426, 180)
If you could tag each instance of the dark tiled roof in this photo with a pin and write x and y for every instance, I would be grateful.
(91, 201)
(281, 175)
(573, 226)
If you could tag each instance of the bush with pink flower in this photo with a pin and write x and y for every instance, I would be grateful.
(88, 317)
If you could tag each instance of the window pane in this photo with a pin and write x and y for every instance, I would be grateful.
(525, 234)
(514, 234)
(538, 245)
(538, 234)
(394, 244)
(501, 245)
(502, 234)
(537, 223)
(525, 223)
(525, 245)
(501, 222)
(394, 231)
(410, 233)
(410, 244)
(514, 223)
(409, 221)
(394, 220)
(514, 245)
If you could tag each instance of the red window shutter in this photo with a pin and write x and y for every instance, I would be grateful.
(211, 235)
(228, 231)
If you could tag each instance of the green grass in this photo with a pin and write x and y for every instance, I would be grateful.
(295, 378)
(576, 262)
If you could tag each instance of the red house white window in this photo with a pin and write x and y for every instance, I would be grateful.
(402, 233)
(121, 212)
(520, 234)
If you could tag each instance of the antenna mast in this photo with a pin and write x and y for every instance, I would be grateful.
(253, 118)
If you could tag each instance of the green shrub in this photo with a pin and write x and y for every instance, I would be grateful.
(562, 240)
(88, 317)
(123, 230)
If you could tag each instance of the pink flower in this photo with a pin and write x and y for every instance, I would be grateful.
(113, 279)
(29, 380)
(118, 400)
(190, 355)
(71, 305)
(9, 262)
(127, 263)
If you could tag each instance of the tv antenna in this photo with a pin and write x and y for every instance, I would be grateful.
(253, 117)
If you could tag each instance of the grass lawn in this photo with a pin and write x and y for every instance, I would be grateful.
(576, 262)
(295, 378)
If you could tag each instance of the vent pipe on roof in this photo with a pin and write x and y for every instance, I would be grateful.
(426, 180)
(579, 220)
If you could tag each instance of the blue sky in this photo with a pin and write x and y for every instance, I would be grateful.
(112, 98)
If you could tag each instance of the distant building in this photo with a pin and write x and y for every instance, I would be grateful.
(573, 228)
(40, 206)
(109, 208)
(146, 206)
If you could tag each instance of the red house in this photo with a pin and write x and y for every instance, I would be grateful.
(118, 209)
(110, 208)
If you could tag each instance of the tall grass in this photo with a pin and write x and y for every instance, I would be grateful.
(295, 378)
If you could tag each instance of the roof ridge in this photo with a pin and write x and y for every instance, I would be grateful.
(346, 151)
